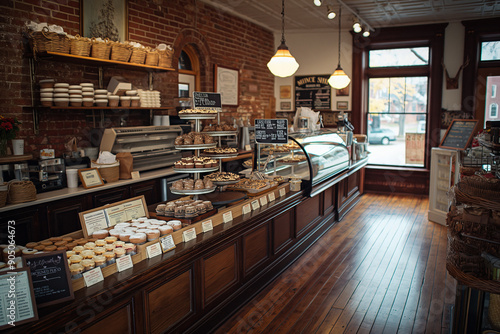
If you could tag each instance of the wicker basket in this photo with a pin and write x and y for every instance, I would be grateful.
(165, 58)
(138, 56)
(49, 41)
(120, 52)
(152, 57)
(109, 172)
(80, 46)
(4, 189)
(21, 191)
(101, 50)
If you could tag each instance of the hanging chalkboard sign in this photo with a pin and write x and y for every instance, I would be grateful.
(459, 134)
(207, 101)
(271, 131)
(50, 276)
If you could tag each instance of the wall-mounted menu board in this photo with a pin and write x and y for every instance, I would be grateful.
(313, 91)
(459, 134)
(207, 101)
(50, 276)
(271, 131)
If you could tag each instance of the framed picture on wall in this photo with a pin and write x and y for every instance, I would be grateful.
(286, 105)
(285, 92)
(342, 105)
(227, 84)
(105, 19)
(343, 91)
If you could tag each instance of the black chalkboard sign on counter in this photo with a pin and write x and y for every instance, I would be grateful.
(51, 278)
(207, 101)
(271, 131)
(459, 134)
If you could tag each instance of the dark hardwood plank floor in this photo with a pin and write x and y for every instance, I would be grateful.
(379, 270)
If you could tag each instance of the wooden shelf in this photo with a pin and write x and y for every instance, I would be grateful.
(15, 158)
(99, 108)
(65, 57)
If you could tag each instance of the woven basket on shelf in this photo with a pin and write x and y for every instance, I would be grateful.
(109, 172)
(120, 52)
(49, 41)
(80, 46)
(138, 56)
(21, 191)
(101, 50)
(152, 57)
(165, 58)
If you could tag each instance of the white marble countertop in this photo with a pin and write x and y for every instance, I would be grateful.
(55, 195)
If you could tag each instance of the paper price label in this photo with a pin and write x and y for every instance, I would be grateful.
(93, 276)
(282, 192)
(124, 263)
(263, 200)
(227, 217)
(255, 205)
(189, 235)
(207, 226)
(246, 209)
(153, 250)
(167, 243)
(271, 197)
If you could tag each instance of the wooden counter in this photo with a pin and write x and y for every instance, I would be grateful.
(196, 286)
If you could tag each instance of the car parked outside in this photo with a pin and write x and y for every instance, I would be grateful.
(381, 136)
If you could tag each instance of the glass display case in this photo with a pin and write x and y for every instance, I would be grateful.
(311, 157)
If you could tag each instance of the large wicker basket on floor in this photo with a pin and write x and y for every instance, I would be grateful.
(109, 172)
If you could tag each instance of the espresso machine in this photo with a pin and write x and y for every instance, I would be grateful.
(344, 128)
(47, 174)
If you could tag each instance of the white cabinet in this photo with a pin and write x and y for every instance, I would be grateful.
(445, 172)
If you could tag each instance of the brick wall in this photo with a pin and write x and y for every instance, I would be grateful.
(221, 39)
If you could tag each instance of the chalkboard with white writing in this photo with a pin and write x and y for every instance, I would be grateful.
(51, 278)
(459, 134)
(271, 131)
(207, 101)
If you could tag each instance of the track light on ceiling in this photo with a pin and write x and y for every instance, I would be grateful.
(366, 33)
(356, 26)
(331, 14)
(282, 64)
(317, 2)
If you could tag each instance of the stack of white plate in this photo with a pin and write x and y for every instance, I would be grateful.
(149, 98)
(101, 97)
(46, 96)
(75, 95)
(61, 94)
(87, 94)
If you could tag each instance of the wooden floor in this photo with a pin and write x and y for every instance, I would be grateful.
(379, 270)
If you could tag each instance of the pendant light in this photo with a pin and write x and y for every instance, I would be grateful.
(339, 79)
(282, 64)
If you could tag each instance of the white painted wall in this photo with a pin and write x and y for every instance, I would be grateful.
(317, 53)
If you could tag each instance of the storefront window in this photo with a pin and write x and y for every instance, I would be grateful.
(399, 57)
(490, 50)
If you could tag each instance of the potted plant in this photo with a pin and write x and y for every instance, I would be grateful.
(9, 127)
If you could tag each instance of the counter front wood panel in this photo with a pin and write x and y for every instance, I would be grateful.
(220, 272)
(329, 201)
(307, 213)
(169, 303)
(63, 215)
(119, 321)
(255, 248)
(282, 230)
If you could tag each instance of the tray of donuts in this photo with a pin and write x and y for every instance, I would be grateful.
(185, 209)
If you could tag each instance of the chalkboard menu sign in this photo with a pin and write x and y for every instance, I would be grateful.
(459, 134)
(313, 91)
(207, 101)
(271, 131)
(51, 278)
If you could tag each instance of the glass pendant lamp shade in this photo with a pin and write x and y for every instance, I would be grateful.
(282, 64)
(339, 79)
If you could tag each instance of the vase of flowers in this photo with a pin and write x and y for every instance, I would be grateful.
(9, 127)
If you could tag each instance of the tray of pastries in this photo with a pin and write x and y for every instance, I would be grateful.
(194, 140)
(276, 149)
(197, 114)
(253, 187)
(192, 187)
(223, 178)
(298, 158)
(186, 210)
(221, 152)
(219, 129)
(196, 165)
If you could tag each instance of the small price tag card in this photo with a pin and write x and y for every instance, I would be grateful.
(124, 263)
(135, 175)
(255, 205)
(282, 192)
(263, 200)
(189, 235)
(153, 250)
(271, 196)
(246, 209)
(93, 276)
(248, 147)
(207, 226)
(227, 217)
(167, 243)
